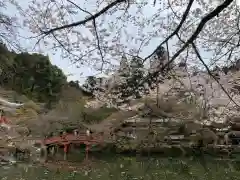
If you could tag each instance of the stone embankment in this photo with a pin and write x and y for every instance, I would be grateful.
(172, 137)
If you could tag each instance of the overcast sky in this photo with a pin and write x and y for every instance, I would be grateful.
(66, 65)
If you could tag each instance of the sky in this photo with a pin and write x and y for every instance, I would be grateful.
(81, 73)
(72, 72)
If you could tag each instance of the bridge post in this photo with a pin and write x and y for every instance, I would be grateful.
(53, 150)
(102, 138)
(57, 148)
(87, 150)
(65, 151)
(43, 153)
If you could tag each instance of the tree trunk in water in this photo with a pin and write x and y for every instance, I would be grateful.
(157, 94)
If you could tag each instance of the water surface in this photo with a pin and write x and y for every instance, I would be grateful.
(127, 168)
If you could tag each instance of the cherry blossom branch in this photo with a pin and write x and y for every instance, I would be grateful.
(184, 17)
(95, 28)
(78, 23)
(200, 27)
(208, 70)
(210, 73)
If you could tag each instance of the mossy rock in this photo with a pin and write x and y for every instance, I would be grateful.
(25, 114)
(23, 131)
(19, 112)
(32, 105)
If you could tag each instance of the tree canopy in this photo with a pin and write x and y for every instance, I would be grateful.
(197, 32)
(181, 23)
(31, 74)
(9, 25)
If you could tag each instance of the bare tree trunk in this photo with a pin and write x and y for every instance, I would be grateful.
(157, 92)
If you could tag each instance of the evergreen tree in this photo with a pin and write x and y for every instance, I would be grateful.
(159, 59)
(124, 69)
(137, 74)
(90, 84)
(130, 87)
(31, 74)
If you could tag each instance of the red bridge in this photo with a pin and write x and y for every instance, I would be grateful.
(81, 138)
(67, 139)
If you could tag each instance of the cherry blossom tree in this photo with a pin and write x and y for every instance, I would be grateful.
(204, 32)
(8, 26)
(90, 84)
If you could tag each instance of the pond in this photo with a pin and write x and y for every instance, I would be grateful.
(125, 167)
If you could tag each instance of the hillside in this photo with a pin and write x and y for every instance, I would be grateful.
(196, 90)
(51, 104)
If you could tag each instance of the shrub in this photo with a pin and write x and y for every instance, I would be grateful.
(97, 115)
(31, 105)
(24, 114)
(171, 107)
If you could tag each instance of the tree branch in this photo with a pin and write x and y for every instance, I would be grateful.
(85, 20)
(210, 73)
(208, 70)
(201, 25)
(95, 28)
(184, 17)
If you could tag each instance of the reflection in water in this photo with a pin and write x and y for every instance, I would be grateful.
(123, 168)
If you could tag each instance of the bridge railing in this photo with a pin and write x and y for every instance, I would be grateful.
(80, 138)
